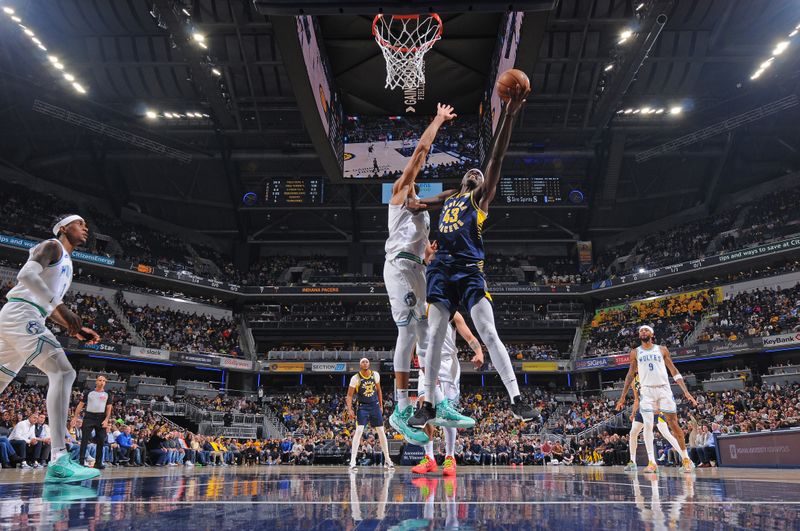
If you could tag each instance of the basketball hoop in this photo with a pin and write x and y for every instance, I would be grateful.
(404, 41)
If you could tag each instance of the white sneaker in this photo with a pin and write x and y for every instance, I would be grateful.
(188, 463)
(36, 465)
(353, 468)
(25, 466)
(389, 465)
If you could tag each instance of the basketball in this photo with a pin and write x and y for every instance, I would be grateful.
(508, 80)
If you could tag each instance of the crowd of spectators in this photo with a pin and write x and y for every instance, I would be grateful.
(319, 429)
(762, 312)
(673, 318)
(178, 331)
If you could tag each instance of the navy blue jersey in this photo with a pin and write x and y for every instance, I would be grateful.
(460, 228)
(367, 389)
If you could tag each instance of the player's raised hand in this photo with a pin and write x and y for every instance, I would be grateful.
(446, 112)
(517, 100)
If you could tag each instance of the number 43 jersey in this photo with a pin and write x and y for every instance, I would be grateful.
(460, 229)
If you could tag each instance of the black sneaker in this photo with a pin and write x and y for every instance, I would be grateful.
(423, 415)
(523, 411)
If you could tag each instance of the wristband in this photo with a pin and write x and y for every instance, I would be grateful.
(677, 377)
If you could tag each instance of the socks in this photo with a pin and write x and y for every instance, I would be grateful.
(429, 449)
(356, 444)
(401, 395)
(450, 441)
(384, 443)
(633, 439)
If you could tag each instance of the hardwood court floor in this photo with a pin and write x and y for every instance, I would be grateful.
(294, 498)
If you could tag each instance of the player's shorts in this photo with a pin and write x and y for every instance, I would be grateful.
(638, 418)
(455, 285)
(405, 284)
(370, 413)
(657, 397)
(24, 338)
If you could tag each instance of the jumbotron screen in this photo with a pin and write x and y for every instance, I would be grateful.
(379, 147)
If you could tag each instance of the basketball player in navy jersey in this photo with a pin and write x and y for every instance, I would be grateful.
(455, 278)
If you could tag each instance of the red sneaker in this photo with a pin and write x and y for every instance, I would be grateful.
(426, 466)
(449, 466)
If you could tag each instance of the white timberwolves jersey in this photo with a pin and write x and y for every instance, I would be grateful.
(57, 277)
(408, 232)
(652, 370)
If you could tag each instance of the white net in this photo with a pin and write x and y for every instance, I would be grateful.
(404, 41)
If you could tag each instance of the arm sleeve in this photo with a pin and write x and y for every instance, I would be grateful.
(354, 381)
(30, 277)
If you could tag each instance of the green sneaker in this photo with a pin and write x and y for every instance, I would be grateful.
(399, 421)
(448, 417)
(65, 470)
(630, 467)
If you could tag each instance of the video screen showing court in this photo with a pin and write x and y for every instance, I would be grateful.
(379, 147)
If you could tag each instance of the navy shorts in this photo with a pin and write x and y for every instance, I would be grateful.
(455, 285)
(370, 413)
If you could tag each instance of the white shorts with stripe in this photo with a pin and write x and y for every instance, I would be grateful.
(24, 338)
(405, 284)
(657, 398)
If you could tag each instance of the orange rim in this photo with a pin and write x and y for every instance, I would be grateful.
(403, 49)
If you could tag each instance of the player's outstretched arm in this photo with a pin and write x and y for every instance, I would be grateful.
(469, 337)
(508, 115)
(632, 368)
(673, 370)
(444, 113)
(429, 203)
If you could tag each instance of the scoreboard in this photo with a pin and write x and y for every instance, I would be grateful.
(531, 190)
(295, 191)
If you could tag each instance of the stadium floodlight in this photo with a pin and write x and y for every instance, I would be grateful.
(29, 33)
(52, 58)
(624, 36)
(151, 115)
(640, 7)
(186, 12)
(641, 270)
(757, 73)
(660, 111)
(766, 64)
(646, 110)
(676, 110)
(637, 111)
(216, 72)
(628, 111)
(167, 115)
(16, 19)
(58, 66)
(609, 67)
(69, 77)
(8, 10)
(78, 87)
(780, 47)
(199, 37)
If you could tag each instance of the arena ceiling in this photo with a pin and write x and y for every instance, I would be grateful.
(131, 61)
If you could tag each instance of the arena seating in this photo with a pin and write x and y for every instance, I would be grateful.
(170, 330)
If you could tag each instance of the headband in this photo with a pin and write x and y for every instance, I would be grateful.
(647, 327)
(363, 359)
(64, 222)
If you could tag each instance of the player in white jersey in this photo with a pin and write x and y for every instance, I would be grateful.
(24, 339)
(651, 362)
(448, 391)
(404, 274)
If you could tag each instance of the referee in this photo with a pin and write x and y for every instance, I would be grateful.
(98, 412)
